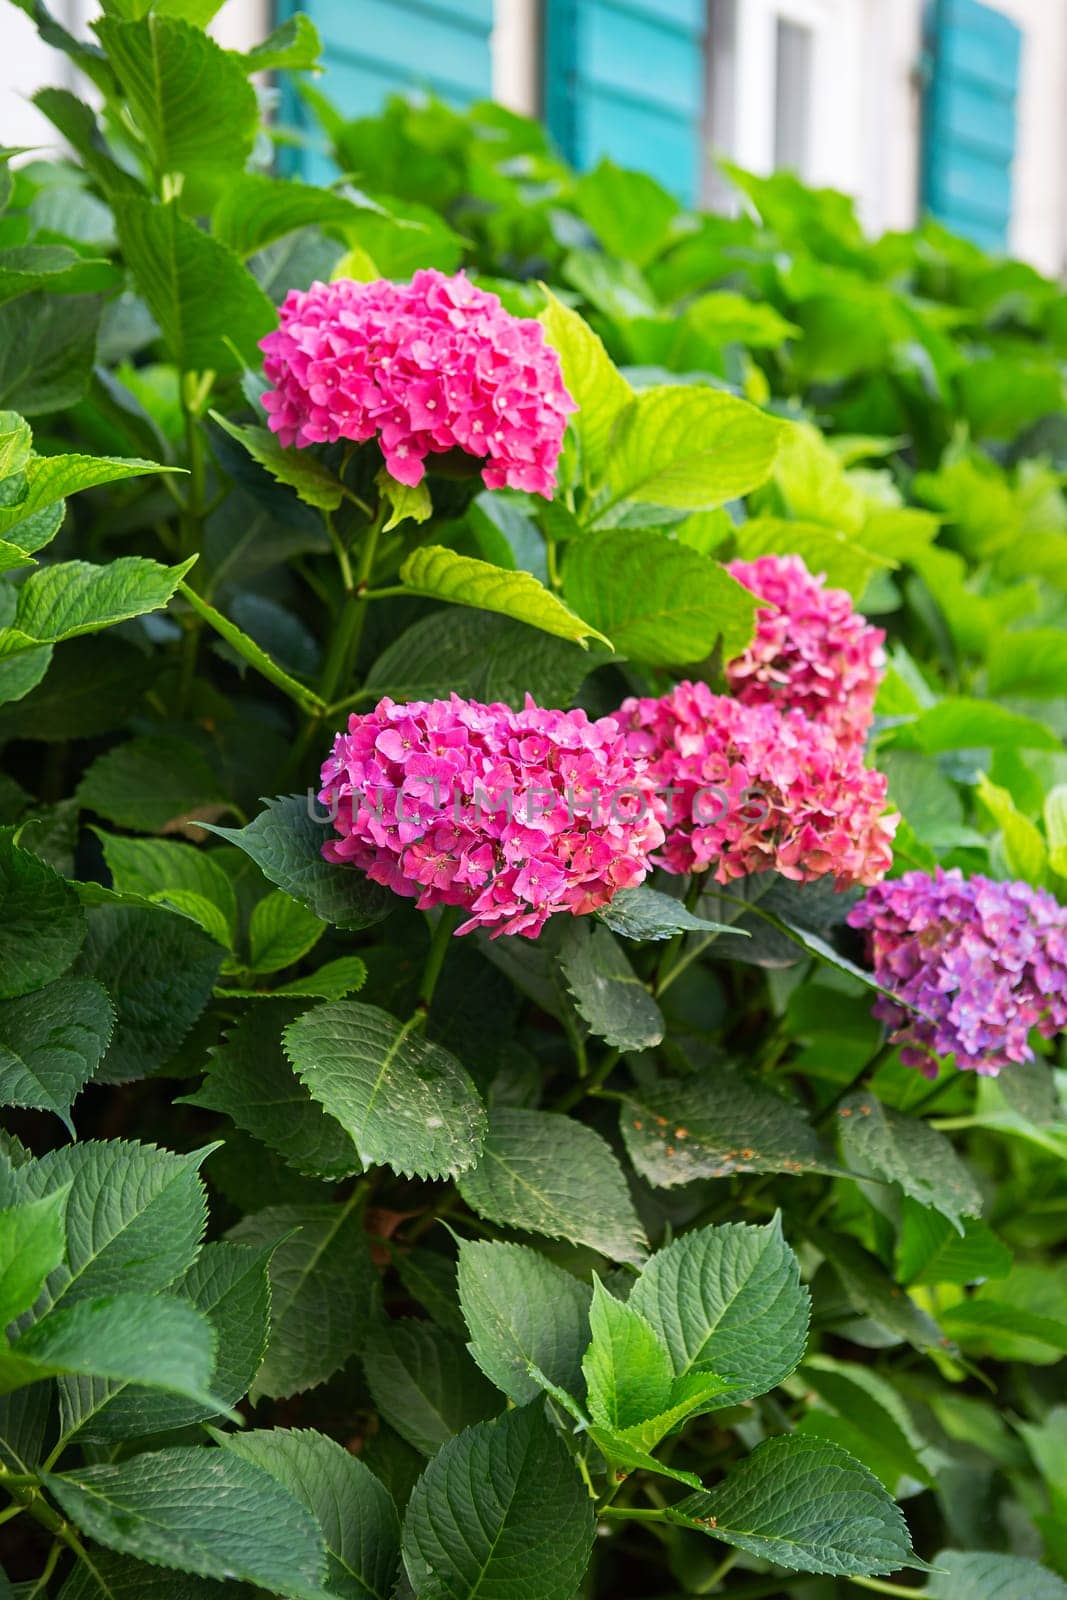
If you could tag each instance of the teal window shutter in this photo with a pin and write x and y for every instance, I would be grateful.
(375, 48)
(626, 79)
(972, 82)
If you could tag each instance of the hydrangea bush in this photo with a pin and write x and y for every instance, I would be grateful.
(533, 848)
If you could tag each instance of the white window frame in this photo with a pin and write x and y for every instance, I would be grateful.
(742, 88)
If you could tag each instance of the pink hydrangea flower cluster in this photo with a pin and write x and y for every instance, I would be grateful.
(813, 653)
(512, 815)
(753, 788)
(429, 366)
(983, 962)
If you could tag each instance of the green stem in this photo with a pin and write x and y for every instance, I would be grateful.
(630, 1514)
(879, 1586)
(191, 527)
(554, 579)
(435, 957)
(884, 1053)
(949, 1081)
(591, 1083)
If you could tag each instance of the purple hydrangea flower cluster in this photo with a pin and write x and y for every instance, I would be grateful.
(983, 962)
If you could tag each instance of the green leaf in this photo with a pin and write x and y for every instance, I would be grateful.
(406, 1102)
(931, 1250)
(1056, 827)
(1029, 661)
(807, 1506)
(846, 561)
(713, 1124)
(591, 378)
(499, 1505)
(886, 1144)
(42, 926)
(522, 1311)
(51, 1043)
(482, 657)
(159, 970)
(659, 601)
(293, 45)
(324, 1292)
(441, 574)
(205, 303)
(627, 1367)
(1024, 848)
(353, 1509)
(608, 994)
(134, 1218)
(728, 1300)
(254, 209)
(645, 913)
(152, 783)
(983, 1575)
(250, 651)
(868, 1418)
(53, 267)
(73, 597)
(228, 1286)
(299, 470)
(548, 1174)
(50, 479)
(285, 841)
(93, 686)
(159, 868)
(690, 447)
(189, 97)
(424, 1383)
(249, 1080)
(872, 1293)
(47, 351)
(630, 213)
(16, 443)
(431, 1279)
(79, 126)
(121, 1578)
(200, 1510)
(281, 931)
(1003, 1330)
(966, 724)
(32, 1244)
(406, 502)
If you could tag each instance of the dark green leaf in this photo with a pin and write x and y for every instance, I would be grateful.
(42, 926)
(51, 1043)
(885, 1144)
(522, 1310)
(607, 993)
(425, 1384)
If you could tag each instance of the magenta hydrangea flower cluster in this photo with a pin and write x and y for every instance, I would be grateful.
(752, 788)
(512, 815)
(811, 652)
(428, 366)
(982, 963)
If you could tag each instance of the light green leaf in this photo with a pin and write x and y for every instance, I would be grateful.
(630, 213)
(16, 443)
(626, 1456)
(281, 931)
(441, 574)
(204, 301)
(1024, 848)
(354, 1510)
(872, 1293)
(690, 447)
(51, 1043)
(406, 503)
(501, 1499)
(159, 970)
(332, 981)
(73, 597)
(32, 1243)
(846, 561)
(250, 651)
(593, 381)
(645, 913)
(522, 1311)
(200, 1510)
(293, 45)
(931, 1250)
(713, 1124)
(189, 97)
(886, 1144)
(966, 724)
(285, 841)
(1056, 827)
(728, 1300)
(1003, 1330)
(661, 602)
(134, 1218)
(1030, 662)
(627, 1367)
(405, 1102)
(608, 995)
(983, 1575)
(152, 783)
(158, 869)
(549, 1174)
(42, 926)
(250, 1080)
(229, 1286)
(424, 1383)
(299, 470)
(50, 479)
(324, 1292)
(807, 1506)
